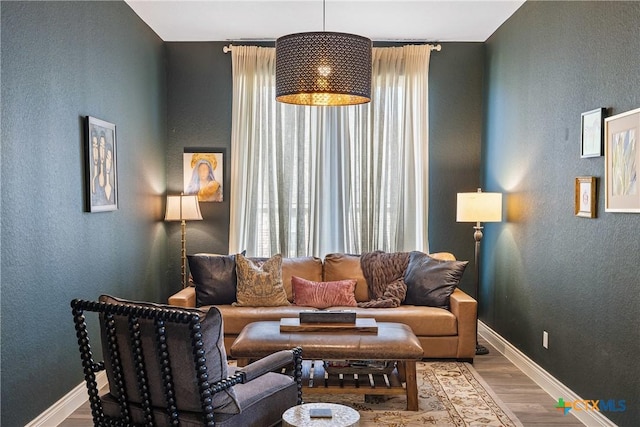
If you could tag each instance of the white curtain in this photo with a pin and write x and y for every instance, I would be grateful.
(315, 180)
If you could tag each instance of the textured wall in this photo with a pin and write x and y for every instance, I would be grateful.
(545, 269)
(199, 114)
(60, 62)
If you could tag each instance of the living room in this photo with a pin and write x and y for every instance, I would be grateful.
(504, 115)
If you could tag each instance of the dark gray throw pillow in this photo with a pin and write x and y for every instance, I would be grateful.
(431, 281)
(214, 277)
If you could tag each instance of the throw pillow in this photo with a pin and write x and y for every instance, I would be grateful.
(260, 285)
(214, 278)
(323, 294)
(185, 377)
(431, 281)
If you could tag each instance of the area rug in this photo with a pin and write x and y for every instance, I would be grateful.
(449, 394)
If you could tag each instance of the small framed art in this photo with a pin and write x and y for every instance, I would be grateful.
(101, 167)
(622, 162)
(592, 133)
(203, 172)
(585, 204)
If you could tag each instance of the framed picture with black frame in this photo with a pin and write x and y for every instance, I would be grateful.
(592, 133)
(101, 166)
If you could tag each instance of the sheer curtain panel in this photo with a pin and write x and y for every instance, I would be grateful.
(315, 180)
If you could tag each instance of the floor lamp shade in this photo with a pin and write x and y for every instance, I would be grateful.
(479, 207)
(182, 207)
(323, 68)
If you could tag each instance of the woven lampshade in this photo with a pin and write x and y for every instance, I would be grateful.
(323, 68)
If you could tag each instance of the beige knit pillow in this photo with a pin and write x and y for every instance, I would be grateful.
(260, 285)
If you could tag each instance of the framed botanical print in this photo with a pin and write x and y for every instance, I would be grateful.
(203, 173)
(592, 133)
(101, 166)
(622, 162)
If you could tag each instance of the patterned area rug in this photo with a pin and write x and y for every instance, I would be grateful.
(449, 394)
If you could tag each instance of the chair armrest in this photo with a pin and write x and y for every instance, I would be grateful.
(465, 308)
(270, 363)
(184, 298)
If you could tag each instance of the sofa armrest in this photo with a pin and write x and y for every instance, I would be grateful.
(465, 308)
(184, 298)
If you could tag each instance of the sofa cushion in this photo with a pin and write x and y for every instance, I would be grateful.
(431, 281)
(185, 376)
(340, 266)
(323, 294)
(214, 278)
(308, 267)
(260, 286)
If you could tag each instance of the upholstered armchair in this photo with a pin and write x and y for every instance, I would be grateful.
(167, 366)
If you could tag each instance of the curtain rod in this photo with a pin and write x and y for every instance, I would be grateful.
(229, 48)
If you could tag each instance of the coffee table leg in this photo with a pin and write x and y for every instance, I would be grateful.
(411, 385)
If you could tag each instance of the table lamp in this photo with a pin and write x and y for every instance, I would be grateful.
(479, 207)
(183, 208)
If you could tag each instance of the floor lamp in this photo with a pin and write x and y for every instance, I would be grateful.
(183, 208)
(479, 207)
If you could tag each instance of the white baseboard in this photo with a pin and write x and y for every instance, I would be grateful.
(541, 377)
(64, 407)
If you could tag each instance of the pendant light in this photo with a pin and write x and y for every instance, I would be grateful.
(323, 68)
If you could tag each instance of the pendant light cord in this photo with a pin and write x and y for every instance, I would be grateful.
(324, 15)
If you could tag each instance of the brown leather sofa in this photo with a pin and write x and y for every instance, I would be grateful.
(442, 333)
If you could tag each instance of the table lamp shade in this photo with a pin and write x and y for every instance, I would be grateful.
(479, 207)
(182, 208)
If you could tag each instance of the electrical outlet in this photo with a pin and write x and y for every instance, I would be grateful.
(545, 339)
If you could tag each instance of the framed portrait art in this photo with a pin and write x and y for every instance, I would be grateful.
(585, 190)
(203, 172)
(592, 133)
(622, 161)
(101, 167)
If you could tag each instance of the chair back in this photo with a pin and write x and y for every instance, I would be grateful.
(158, 359)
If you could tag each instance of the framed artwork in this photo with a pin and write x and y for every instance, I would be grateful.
(585, 196)
(203, 172)
(592, 133)
(622, 161)
(101, 167)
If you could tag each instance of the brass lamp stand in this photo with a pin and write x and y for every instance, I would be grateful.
(183, 208)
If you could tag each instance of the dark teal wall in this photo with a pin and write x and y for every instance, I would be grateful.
(62, 61)
(545, 269)
(199, 114)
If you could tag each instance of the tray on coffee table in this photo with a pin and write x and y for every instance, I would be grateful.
(362, 325)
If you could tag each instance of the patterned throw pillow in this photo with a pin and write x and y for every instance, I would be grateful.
(260, 285)
(323, 294)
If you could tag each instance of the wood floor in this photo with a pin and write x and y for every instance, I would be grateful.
(533, 406)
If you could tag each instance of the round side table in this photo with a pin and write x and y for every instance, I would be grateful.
(341, 416)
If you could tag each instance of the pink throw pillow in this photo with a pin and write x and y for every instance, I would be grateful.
(323, 294)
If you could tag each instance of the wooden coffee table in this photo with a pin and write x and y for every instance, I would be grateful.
(393, 342)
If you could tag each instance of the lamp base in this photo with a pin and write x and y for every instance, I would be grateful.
(480, 349)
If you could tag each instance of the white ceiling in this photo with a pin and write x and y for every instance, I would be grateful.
(220, 20)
